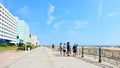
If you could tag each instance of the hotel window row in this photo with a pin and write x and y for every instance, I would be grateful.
(8, 25)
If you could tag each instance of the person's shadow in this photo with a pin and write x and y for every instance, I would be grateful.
(58, 55)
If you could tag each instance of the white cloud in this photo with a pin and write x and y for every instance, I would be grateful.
(72, 32)
(50, 16)
(114, 14)
(74, 25)
(80, 24)
(50, 19)
(100, 6)
(70, 27)
(110, 14)
(24, 11)
(57, 25)
(51, 9)
(9, 4)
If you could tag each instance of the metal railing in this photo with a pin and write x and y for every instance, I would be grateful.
(101, 54)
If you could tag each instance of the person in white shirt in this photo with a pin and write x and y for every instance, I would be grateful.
(64, 49)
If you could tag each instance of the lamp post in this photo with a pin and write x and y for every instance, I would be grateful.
(17, 43)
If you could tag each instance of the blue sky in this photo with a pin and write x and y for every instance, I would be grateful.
(86, 22)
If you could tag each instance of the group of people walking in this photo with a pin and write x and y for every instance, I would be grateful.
(66, 49)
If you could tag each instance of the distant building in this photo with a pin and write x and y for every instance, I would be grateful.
(8, 26)
(33, 39)
(22, 31)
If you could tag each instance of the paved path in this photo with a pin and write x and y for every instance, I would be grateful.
(7, 58)
(4, 52)
(43, 57)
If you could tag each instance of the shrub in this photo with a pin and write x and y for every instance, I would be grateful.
(3, 45)
(21, 46)
(30, 47)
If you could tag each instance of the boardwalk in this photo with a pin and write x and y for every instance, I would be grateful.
(43, 57)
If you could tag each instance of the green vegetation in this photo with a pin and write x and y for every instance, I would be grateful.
(23, 46)
(31, 46)
(7, 47)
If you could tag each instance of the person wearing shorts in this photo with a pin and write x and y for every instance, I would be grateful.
(75, 49)
(68, 48)
(64, 49)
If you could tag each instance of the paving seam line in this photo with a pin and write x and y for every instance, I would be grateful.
(50, 59)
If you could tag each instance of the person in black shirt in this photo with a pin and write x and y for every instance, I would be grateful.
(68, 48)
(74, 49)
(53, 47)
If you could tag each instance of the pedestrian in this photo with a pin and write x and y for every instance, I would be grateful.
(64, 49)
(53, 47)
(74, 49)
(60, 48)
(68, 48)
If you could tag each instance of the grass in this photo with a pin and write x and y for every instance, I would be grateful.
(7, 48)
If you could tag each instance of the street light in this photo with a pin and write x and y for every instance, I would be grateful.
(17, 43)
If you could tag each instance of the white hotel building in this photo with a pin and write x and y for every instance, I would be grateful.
(8, 26)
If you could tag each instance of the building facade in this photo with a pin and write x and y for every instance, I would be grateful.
(22, 31)
(34, 40)
(8, 26)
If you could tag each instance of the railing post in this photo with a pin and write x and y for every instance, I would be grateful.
(99, 55)
(82, 51)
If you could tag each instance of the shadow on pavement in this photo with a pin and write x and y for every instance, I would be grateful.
(84, 59)
(93, 62)
(58, 55)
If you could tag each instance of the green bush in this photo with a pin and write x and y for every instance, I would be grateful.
(30, 47)
(7, 47)
(3, 45)
(27, 45)
(21, 46)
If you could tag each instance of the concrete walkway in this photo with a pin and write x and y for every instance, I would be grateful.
(43, 57)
